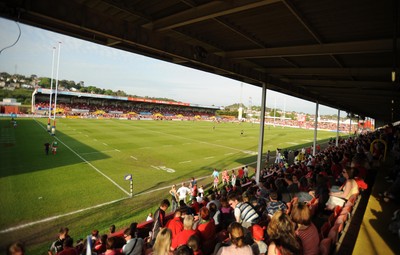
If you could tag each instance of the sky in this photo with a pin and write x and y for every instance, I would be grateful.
(109, 68)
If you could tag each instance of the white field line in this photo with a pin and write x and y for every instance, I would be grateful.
(183, 162)
(58, 216)
(105, 144)
(94, 152)
(133, 157)
(117, 150)
(230, 153)
(292, 143)
(209, 157)
(87, 162)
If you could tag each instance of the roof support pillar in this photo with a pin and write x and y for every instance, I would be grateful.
(337, 128)
(315, 127)
(261, 136)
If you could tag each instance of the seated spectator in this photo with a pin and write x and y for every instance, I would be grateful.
(175, 224)
(68, 249)
(100, 247)
(162, 245)
(237, 247)
(281, 233)
(348, 189)
(275, 205)
(16, 249)
(183, 250)
(182, 237)
(194, 244)
(111, 246)
(305, 229)
(134, 245)
(259, 247)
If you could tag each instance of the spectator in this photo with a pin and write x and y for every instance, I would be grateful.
(259, 247)
(281, 233)
(349, 188)
(112, 229)
(134, 245)
(16, 249)
(244, 213)
(175, 224)
(183, 250)
(275, 205)
(57, 245)
(237, 247)
(206, 230)
(162, 246)
(174, 198)
(183, 192)
(101, 246)
(194, 244)
(112, 247)
(68, 248)
(182, 237)
(305, 229)
(159, 219)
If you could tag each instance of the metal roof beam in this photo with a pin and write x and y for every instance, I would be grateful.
(329, 71)
(358, 47)
(207, 11)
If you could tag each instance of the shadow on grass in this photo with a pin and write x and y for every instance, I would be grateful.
(23, 150)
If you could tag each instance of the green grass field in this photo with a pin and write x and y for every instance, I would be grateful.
(93, 158)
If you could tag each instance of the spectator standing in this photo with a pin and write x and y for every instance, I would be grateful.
(174, 198)
(159, 219)
(182, 192)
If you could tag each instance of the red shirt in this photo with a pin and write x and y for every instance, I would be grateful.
(206, 230)
(182, 237)
(175, 225)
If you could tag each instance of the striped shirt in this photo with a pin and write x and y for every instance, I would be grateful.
(247, 213)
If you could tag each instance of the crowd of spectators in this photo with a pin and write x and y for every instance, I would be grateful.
(124, 110)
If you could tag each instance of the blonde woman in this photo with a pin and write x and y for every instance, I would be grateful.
(281, 233)
(174, 198)
(238, 247)
(162, 246)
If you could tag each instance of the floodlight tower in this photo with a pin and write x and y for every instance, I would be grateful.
(53, 128)
(51, 89)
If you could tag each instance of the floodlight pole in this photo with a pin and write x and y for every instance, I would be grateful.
(51, 89)
(261, 136)
(315, 127)
(55, 97)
